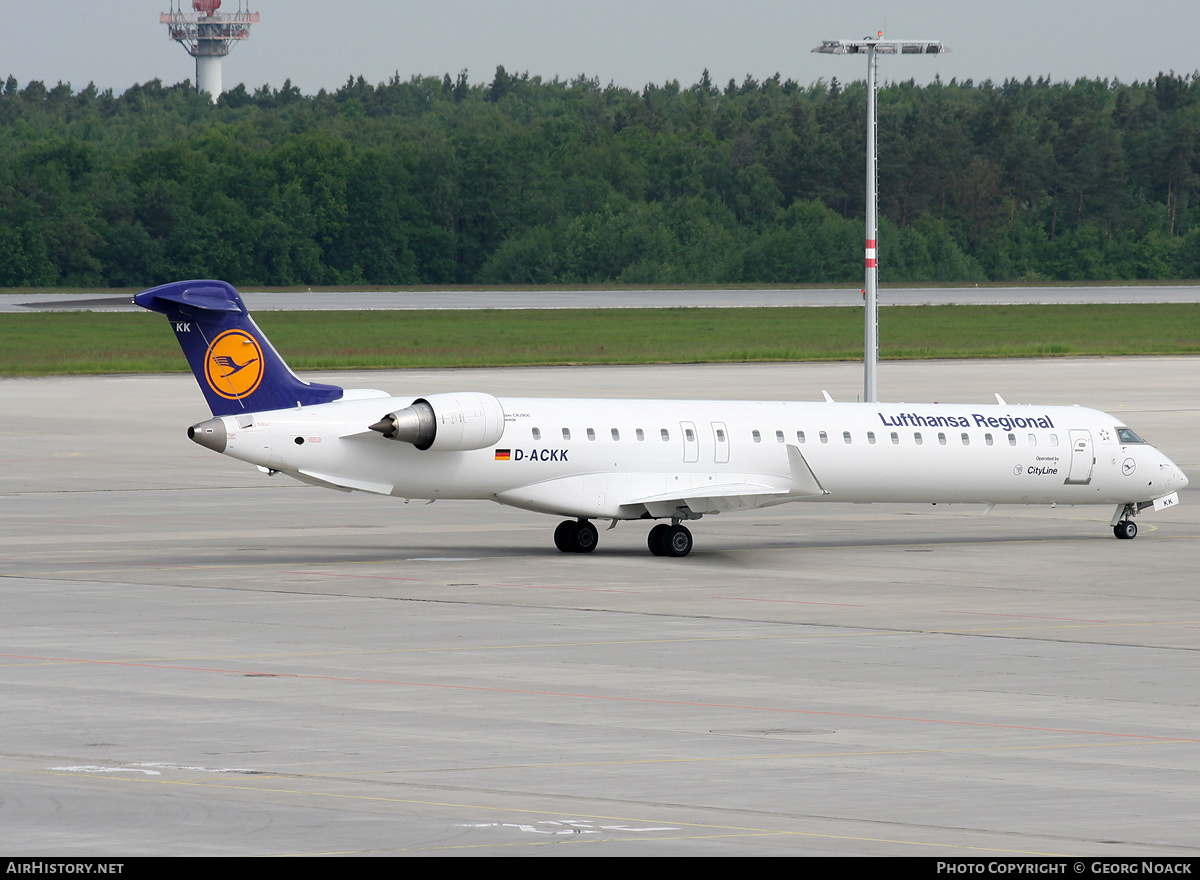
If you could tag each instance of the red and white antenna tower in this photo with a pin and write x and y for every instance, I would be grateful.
(208, 36)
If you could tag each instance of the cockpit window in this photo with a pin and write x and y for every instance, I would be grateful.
(1127, 436)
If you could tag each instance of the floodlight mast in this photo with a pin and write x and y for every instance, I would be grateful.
(872, 46)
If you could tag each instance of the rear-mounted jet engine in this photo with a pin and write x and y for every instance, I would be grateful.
(446, 422)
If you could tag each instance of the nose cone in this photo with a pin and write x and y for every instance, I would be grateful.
(210, 434)
(1176, 478)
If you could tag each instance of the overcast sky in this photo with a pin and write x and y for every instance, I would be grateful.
(628, 42)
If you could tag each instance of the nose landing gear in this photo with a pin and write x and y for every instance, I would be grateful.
(1123, 525)
(1126, 529)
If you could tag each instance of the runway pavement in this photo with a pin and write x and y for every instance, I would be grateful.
(847, 295)
(201, 659)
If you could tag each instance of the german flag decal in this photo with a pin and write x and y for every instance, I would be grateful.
(503, 455)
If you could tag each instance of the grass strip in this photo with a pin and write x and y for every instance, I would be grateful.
(46, 343)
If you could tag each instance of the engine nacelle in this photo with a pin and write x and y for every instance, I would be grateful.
(447, 422)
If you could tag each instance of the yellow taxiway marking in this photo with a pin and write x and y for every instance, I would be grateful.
(719, 829)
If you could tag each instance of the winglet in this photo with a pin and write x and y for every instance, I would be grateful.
(828, 399)
(999, 399)
(804, 481)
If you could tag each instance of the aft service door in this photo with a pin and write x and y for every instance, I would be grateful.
(1083, 459)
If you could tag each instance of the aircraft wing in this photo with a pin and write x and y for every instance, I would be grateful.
(713, 493)
(714, 490)
(669, 494)
(752, 490)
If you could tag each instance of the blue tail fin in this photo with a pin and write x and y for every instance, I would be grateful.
(237, 368)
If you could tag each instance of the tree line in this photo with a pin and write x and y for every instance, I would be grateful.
(527, 181)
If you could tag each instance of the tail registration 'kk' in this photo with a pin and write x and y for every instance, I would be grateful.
(235, 365)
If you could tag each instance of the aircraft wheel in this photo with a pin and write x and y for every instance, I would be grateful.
(584, 537)
(562, 535)
(1126, 529)
(677, 541)
(657, 539)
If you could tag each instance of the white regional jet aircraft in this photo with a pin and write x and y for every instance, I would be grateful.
(671, 460)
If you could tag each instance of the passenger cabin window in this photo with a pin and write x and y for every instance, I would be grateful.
(1012, 439)
(591, 434)
(871, 437)
(690, 435)
(566, 433)
(537, 433)
(1053, 439)
(917, 438)
(966, 439)
(757, 436)
(1033, 440)
(720, 435)
(1127, 436)
(666, 435)
(824, 437)
(616, 435)
(640, 434)
(987, 438)
(845, 436)
(895, 439)
(799, 436)
(779, 436)
(941, 438)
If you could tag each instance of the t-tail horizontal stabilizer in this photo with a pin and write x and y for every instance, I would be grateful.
(235, 365)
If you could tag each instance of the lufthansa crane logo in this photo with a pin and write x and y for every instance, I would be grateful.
(233, 365)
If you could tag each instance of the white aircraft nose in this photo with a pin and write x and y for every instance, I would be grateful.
(1176, 478)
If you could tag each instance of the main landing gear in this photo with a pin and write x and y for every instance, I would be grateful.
(575, 536)
(579, 536)
(669, 540)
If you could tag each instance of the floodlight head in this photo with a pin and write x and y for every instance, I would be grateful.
(881, 47)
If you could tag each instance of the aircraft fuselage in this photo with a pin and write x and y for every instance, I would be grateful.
(609, 459)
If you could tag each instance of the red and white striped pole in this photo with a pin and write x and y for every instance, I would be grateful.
(871, 319)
